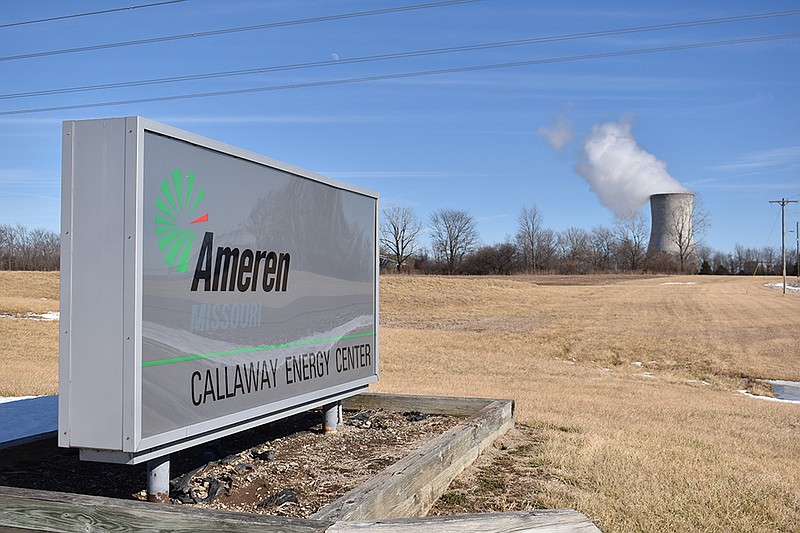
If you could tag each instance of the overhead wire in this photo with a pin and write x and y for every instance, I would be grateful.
(237, 29)
(414, 74)
(401, 55)
(90, 13)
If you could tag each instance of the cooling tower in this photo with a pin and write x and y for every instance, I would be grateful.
(671, 232)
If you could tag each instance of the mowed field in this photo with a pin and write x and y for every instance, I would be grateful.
(627, 387)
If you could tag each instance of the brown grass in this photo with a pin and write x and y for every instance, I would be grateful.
(668, 445)
(28, 348)
(660, 451)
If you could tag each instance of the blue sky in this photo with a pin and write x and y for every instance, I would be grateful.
(722, 120)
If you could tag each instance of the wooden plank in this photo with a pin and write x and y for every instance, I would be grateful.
(412, 485)
(434, 405)
(540, 521)
(58, 511)
(454, 456)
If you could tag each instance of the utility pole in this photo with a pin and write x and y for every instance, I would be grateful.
(796, 232)
(783, 202)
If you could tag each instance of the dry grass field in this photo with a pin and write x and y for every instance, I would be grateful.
(629, 385)
(28, 348)
(626, 387)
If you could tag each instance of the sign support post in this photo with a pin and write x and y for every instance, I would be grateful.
(158, 480)
(331, 414)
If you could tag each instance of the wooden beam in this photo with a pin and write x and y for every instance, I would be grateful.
(39, 510)
(540, 521)
(411, 486)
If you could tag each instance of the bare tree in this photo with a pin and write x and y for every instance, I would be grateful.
(454, 234)
(575, 248)
(603, 248)
(6, 247)
(746, 260)
(24, 249)
(528, 237)
(493, 259)
(771, 260)
(752, 261)
(631, 234)
(546, 249)
(704, 255)
(400, 228)
(720, 263)
(683, 239)
(687, 231)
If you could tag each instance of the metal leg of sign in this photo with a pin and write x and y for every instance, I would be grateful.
(158, 480)
(331, 414)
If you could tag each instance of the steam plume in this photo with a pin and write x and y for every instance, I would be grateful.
(559, 134)
(620, 172)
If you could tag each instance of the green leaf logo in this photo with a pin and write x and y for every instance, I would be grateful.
(176, 207)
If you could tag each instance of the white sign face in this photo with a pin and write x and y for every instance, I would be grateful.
(255, 291)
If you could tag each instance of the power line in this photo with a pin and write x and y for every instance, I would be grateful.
(236, 29)
(90, 13)
(400, 55)
(417, 74)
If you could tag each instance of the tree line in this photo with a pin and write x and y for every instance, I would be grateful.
(455, 247)
(28, 249)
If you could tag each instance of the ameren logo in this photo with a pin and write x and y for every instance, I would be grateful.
(224, 269)
(176, 207)
(242, 270)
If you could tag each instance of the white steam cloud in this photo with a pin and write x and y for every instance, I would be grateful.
(559, 134)
(620, 172)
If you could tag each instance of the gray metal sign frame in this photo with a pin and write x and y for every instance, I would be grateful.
(120, 347)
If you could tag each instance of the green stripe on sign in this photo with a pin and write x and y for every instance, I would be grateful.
(252, 349)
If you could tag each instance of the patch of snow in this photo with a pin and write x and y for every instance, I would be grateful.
(7, 399)
(779, 286)
(51, 315)
(679, 283)
(698, 381)
(783, 382)
(606, 370)
(648, 374)
(745, 393)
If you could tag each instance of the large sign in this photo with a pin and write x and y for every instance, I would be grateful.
(204, 289)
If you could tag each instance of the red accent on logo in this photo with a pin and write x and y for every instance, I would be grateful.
(203, 218)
